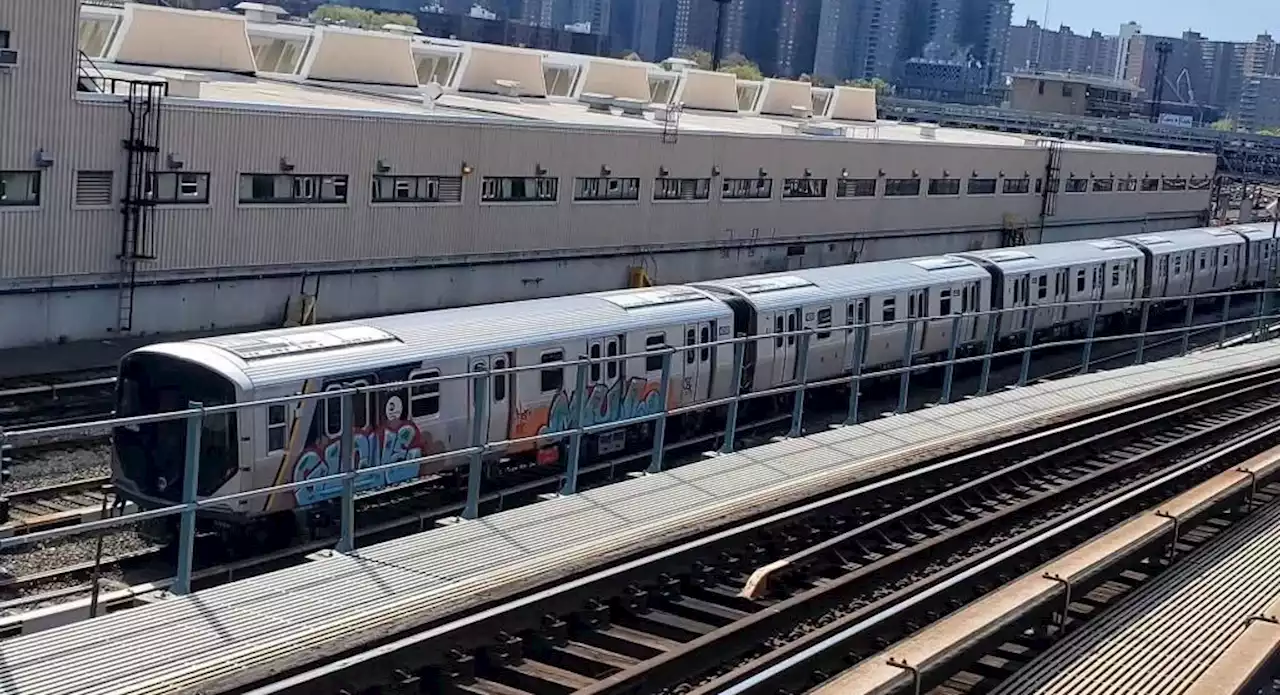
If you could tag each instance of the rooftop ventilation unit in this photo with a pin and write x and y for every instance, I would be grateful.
(600, 103)
(508, 88)
(800, 111)
(631, 107)
(928, 131)
(822, 129)
(184, 84)
(260, 12)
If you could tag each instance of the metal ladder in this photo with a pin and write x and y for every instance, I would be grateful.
(137, 207)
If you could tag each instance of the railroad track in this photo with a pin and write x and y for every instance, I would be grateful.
(53, 506)
(690, 615)
(56, 399)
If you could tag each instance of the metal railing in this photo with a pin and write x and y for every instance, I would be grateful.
(998, 342)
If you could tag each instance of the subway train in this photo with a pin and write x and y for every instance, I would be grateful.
(300, 440)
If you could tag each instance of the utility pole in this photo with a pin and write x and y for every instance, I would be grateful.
(717, 51)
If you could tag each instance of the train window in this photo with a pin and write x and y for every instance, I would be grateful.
(1080, 280)
(1226, 259)
(944, 302)
(594, 353)
(1043, 291)
(553, 378)
(1204, 257)
(889, 313)
(500, 381)
(333, 412)
(611, 368)
(1115, 276)
(690, 339)
(911, 305)
(277, 427)
(793, 325)
(424, 399)
(824, 321)
(654, 342)
(360, 416)
(705, 353)
(1177, 265)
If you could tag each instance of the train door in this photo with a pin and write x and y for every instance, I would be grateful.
(1160, 284)
(856, 315)
(1016, 301)
(1058, 314)
(785, 348)
(498, 393)
(697, 362)
(918, 308)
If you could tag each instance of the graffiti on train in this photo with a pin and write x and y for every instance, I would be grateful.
(622, 400)
(386, 442)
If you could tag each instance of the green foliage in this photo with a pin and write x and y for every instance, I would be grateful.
(357, 17)
(699, 57)
(742, 68)
(875, 83)
(1225, 125)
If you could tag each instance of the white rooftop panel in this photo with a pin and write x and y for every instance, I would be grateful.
(369, 57)
(940, 263)
(772, 284)
(1109, 244)
(251, 347)
(183, 39)
(654, 297)
(1007, 255)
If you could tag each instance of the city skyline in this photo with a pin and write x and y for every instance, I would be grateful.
(1157, 17)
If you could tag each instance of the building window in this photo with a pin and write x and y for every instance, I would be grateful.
(1174, 185)
(1075, 185)
(982, 186)
(681, 189)
(1016, 186)
(19, 188)
(746, 188)
(93, 188)
(1149, 185)
(178, 188)
(1103, 185)
(605, 188)
(1040, 87)
(856, 188)
(944, 186)
(804, 188)
(519, 189)
(298, 189)
(1126, 185)
(417, 189)
(1066, 90)
(1200, 184)
(901, 188)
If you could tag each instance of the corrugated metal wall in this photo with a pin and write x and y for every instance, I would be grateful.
(58, 239)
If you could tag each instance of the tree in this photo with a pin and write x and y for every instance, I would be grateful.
(1270, 132)
(741, 68)
(357, 17)
(1225, 125)
(875, 83)
(699, 57)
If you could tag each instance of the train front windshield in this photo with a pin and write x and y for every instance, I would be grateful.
(150, 458)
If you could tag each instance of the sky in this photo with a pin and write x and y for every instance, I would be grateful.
(1219, 20)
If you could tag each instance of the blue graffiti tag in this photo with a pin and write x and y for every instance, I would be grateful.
(622, 400)
(371, 449)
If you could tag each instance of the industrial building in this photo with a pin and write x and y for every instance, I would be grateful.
(165, 170)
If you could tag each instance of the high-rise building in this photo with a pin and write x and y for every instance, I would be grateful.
(1032, 47)
(961, 42)
(859, 39)
(1128, 30)
(794, 39)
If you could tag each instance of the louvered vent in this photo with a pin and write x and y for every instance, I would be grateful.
(450, 189)
(93, 189)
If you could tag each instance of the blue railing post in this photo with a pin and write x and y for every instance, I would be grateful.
(479, 438)
(855, 381)
(1025, 372)
(904, 379)
(660, 425)
(1087, 352)
(347, 457)
(950, 370)
(1258, 301)
(1138, 355)
(1187, 322)
(993, 323)
(190, 476)
(802, 377)
(570, 485)
(1226, 320)
(731, 420)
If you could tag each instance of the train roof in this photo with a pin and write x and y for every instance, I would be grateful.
(294, 354)
(1186, 239)
(1255, 232)
(1045, 256)
(834, 283)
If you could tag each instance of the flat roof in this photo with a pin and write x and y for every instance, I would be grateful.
(227, 59)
